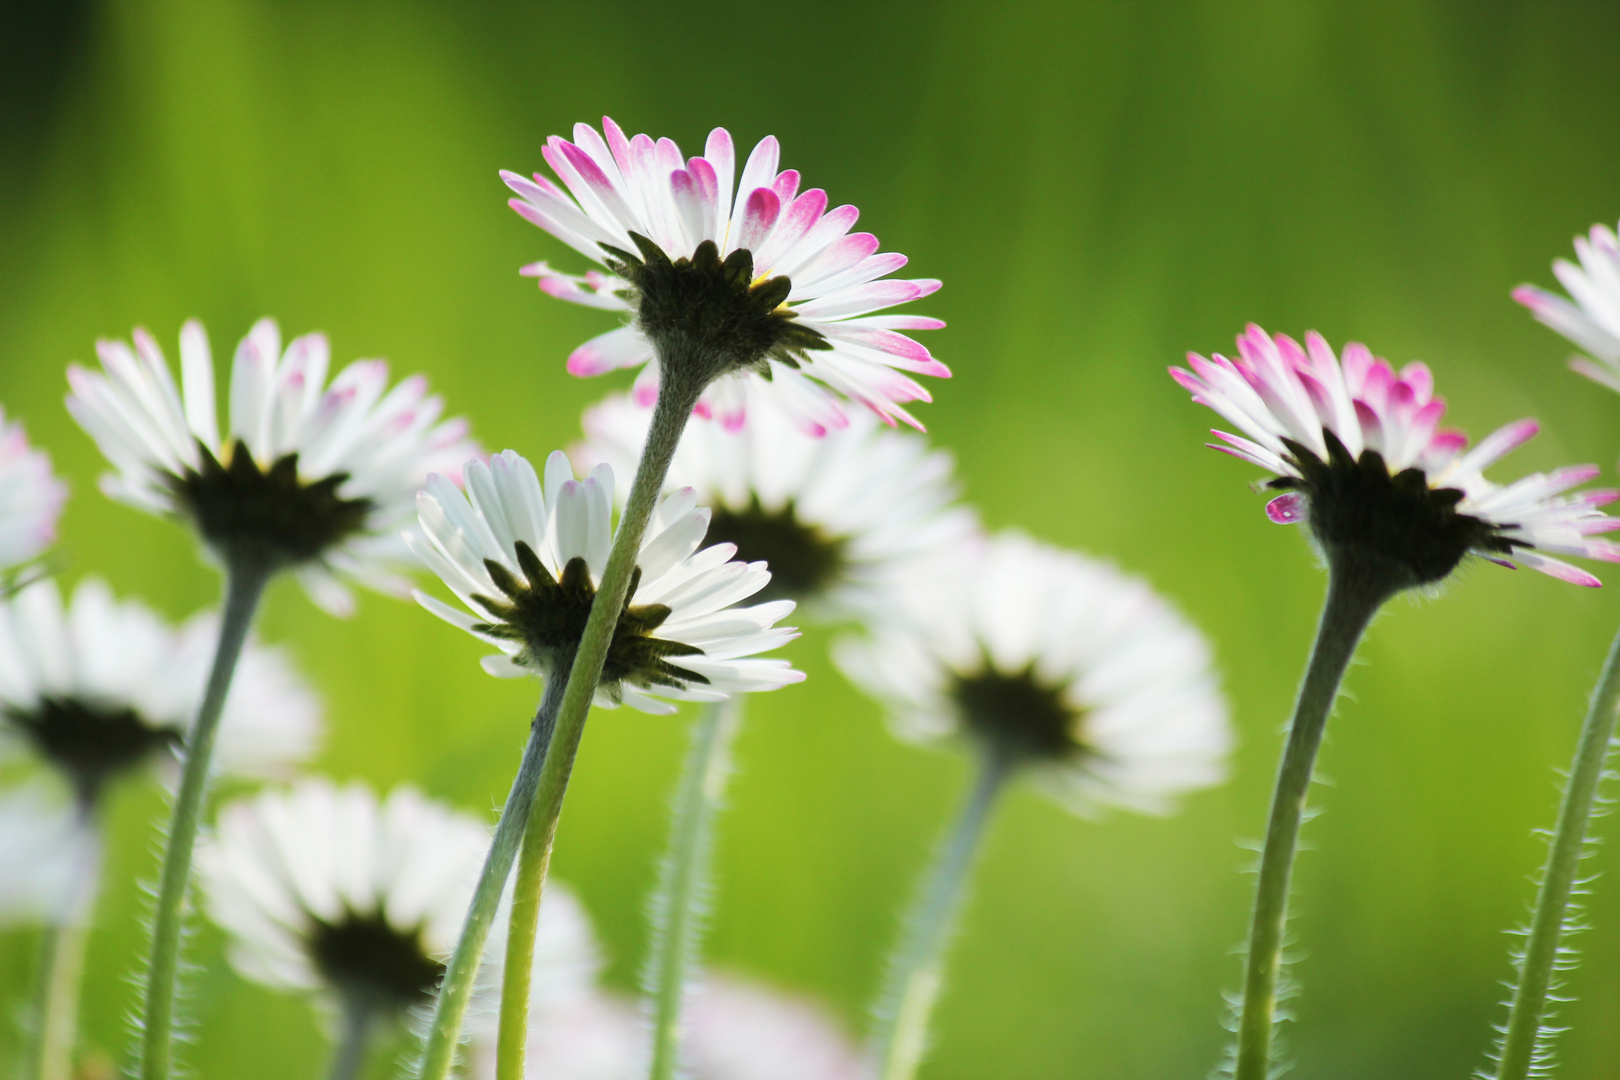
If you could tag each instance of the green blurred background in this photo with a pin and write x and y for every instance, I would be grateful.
(1101, 187)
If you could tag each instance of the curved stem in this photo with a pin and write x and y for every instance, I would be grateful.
(244, 585)
(677, 907)
(62, 970)
(354, 1045)
(1530, 998)
(536, 803)
(916, 968)
(1349, 608)
(524, 921)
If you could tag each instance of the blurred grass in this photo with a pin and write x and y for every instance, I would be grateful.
(1101, 187)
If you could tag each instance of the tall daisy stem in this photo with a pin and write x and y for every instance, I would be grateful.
(541, 800)
(62, 971)
(354, 1044)
(916, 969)
(1529, 1010)
(1350, 607)
(677, 911)
(245, 579)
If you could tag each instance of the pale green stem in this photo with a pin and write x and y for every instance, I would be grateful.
(917, 968)
(354, 1043)
(513, 1035)
(1350, 607)
(544, 799)
(62, 974)
(244, 584)
(684, 878)
(1558, 880)
(461, 972)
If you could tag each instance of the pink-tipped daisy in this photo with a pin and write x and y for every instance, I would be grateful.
(1592, 321)
(31, 497)
(1359, 453)
(768, 282)
(308, 476)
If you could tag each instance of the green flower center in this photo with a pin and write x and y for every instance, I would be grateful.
(91, 743)
(373, 963)
(805, 561)
(1019, 715)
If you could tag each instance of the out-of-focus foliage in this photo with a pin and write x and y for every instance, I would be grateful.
(1101, 187)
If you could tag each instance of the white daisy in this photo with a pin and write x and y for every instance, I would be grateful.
(308, 476)
(734, 1030)
(1592, 321)
(1057, 663)
(795, 290)
(329, 889)
(104, 687)
(835, 518)
(1359, 451)
(527, 563)
(31, 497)
(46, 849)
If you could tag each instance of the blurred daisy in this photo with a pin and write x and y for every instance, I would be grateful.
(735, 1030)
(330, 890)
(31, 497)
(103, 688)
(308, 476)
(1592, 320)
(46, 849)
(1358, 451)
(527, 563)
(1058, 664)
(835, 518)
(769, 282)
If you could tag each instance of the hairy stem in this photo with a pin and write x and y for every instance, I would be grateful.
(62, 969)
(354, 1044)
(677, 909)
(916, 968)
(1521, 1038)
(524, 920)
(1351, 605)
(245, 580)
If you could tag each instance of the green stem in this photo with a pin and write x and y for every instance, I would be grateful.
(1350, 607)
(244, 585)
(524, 921)
(917, 967)
(1522, 1036)
(538, 804)
(354, 1044)
(62, 973)
(684, 877)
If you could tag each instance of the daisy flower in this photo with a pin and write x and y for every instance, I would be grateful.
(307, 476)
(102, 688)
(719, 288)
(46, 848)
(1058, 664)
(1359, 453)
(527, 562)
(331, 890)
(835, 518)
(31, 497)
(1591, 316)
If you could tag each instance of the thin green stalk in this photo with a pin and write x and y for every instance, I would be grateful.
(461, 972)
(62, 971)
(917, 967)
(354, 1044)
(1522, 1036)
(245, 580)
(512, 1037)
(684, 878)
(543, 799)
(1350, 607)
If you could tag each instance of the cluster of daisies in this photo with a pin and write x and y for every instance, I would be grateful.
(762, 439)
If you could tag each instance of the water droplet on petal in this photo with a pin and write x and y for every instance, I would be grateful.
(1287, 509)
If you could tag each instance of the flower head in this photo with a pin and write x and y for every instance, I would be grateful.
(103, 688)
(1592, 321)
(329, 889)
(768, 283)
(46, 848)
(308, 476)
(527, 562)
(31, 497)
(835, 518)
(1056, 663)
(1358, 449)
